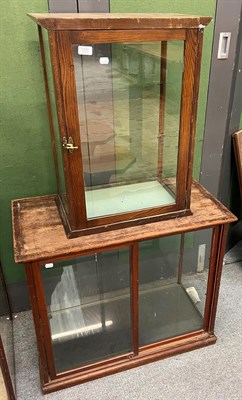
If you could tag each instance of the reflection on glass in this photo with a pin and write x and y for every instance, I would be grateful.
(129, 111)
(236, 116)
(91, 321)
(197, 257)
(172, 292)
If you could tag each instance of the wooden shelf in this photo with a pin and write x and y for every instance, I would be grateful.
(39, 234)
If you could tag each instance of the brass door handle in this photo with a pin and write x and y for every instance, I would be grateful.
(68, 144)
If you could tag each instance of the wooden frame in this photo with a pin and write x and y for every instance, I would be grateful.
(3, 359)
(72, 21)
(51, 245)
(237, 144)
(5, 372)
(68, 29)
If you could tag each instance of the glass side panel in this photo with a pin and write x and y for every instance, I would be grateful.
(58, 146)
(88, 300)
(172, 285)
(129, 97)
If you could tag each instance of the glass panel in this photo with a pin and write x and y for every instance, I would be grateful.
(129, 98)
(88, 300)
(236, 116)
(172, 285)
(233, 183)
(6, 331)
(50, 78)
(196, 266)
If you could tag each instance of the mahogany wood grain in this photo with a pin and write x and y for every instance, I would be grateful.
(96, 364)
(74, 176)
(4, 367)
(237, 143)
(217, 276)
(106, 224)
(120, 36)
(72, 21)
(44, 371)
(141, 216)
(211, 275)
(214, 276)
(8, 385)
(39, 234)
(194, 111)
(185, 134)
(148, 348)
(54, 54)
(44, 320)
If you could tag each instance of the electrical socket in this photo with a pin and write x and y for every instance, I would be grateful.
(201, 257)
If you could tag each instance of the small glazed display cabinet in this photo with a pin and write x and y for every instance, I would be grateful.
(123, 265)
(123, 88)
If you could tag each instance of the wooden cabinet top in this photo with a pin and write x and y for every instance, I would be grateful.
(58, 21)
(39, 234)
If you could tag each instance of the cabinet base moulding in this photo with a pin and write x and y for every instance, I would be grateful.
(147, 355)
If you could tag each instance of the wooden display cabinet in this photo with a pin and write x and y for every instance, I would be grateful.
(124, 90)
(115, 300)
(141, 283)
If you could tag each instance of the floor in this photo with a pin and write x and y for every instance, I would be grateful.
(103, 328)
(212, 373)
(234, 255)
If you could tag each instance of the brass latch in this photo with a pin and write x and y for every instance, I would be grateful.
(68, 144)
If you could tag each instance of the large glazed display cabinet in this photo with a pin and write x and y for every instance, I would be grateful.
(123, 265)
(111, 301)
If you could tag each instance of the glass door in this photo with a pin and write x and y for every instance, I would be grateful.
(111, 305)
(173, 277)
(129, 99)
(89, 308)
